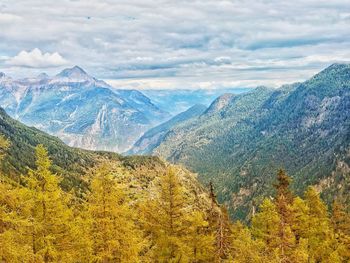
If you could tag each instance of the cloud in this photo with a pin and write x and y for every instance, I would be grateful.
(9, 18)
(36, 59)
(180, 43)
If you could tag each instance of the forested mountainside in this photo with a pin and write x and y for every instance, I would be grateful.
(242, 140)
(114, 221)
(151, 139)
(71, 164)
(82, 111)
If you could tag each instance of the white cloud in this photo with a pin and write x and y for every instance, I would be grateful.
(9, 18)
(180, 43)
(36, 59)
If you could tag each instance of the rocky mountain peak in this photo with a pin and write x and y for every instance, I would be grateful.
(75, 72)
(220, 102)
(43, 76)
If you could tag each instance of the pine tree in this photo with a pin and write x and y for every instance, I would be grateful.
(284, 196)
(219, 226)
(222, 232)
(283, 202)
(115, 237)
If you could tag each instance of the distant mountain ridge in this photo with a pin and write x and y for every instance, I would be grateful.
(176, 101)
(154, 136)
(241, 140)
(83, 111)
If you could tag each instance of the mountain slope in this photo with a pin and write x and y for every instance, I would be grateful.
(136, 173)
(81, 110)
(242, 140)
(154, 136)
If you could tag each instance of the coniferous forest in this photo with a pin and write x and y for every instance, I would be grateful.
(39, 222)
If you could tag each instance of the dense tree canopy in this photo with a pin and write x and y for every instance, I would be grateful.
(39, 222)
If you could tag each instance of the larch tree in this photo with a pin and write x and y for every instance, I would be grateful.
(265, 228)
(198, 239)
(245, 249)
(165, 219)
(318, 228)
(50, 218)
(13, 219)
(341, 225)
(115, 237)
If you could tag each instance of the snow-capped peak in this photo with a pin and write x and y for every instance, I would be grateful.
(4, 77)
(42, 76)
(73, 73)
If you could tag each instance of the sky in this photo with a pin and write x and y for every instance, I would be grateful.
(161, 44)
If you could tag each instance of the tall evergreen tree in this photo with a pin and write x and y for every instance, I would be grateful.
(283, 201)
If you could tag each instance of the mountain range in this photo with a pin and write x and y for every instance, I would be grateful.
(82, 111)
(240, 141)
(176, 101)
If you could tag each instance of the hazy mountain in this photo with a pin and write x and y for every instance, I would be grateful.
(81, 110)
(178, 100)
(241, 140)
(154, 136)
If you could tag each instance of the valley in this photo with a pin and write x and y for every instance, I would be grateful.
(240, 141)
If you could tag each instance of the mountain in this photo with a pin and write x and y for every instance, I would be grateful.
(81, 110)
(74, 166)
(154, 136)
(176, 101)
(71, 163)
(241, 140)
